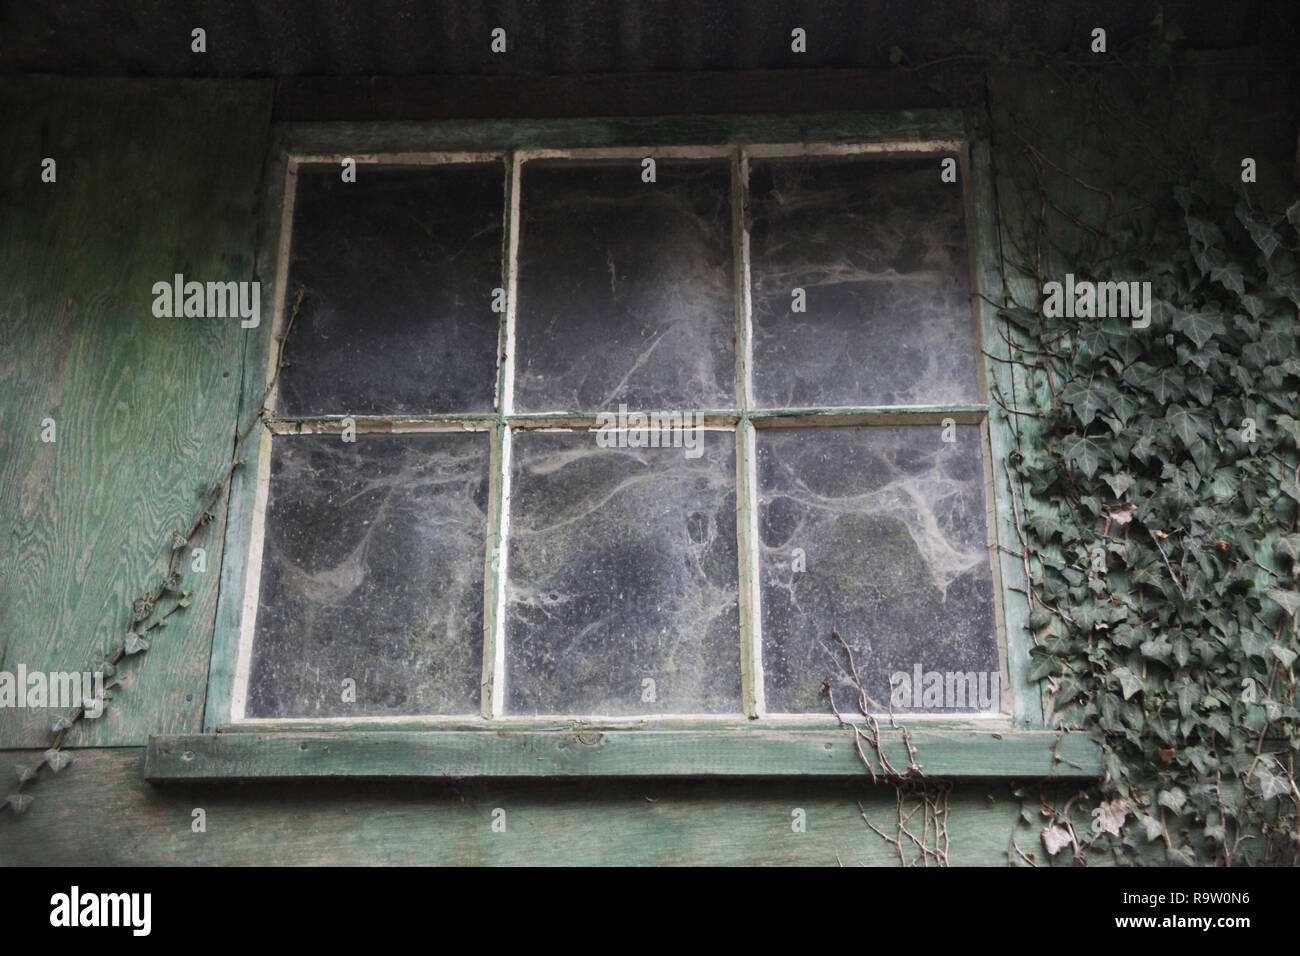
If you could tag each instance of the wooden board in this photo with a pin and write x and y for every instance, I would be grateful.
(100, 812)
(154, 178)
(617, 753)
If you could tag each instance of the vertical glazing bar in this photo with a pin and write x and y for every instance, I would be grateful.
(498, 517)
(751, 630)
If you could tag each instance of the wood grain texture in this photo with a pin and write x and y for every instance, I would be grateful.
(613, 753)
(100, 812)
(154, 179)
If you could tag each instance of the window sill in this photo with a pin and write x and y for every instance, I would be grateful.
(977, 750)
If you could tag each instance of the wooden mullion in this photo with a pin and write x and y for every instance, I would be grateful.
(492, 700)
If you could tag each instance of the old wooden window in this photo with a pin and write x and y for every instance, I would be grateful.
(491, 552)
(444, 532)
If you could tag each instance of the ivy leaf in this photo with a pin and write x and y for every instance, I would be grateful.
(1045, 525)
(1109, 816)
(141, 608)
(178, 540)
(1159, 649)
(1119, 483)
(1290, 600)
(1175, 799)
(60, 724)
(1284, 654)
(1129, 682)
(57, 759)
(1055, 838)
(1290, 426)
(1201, 388)
(135, 643)
(1121, 514)
(1083, 450)
(1027, 319)
(1200, 327)
(1229, 276)
(1188, 426)
(25, 774)
(18, 802)
(1289, 545)
(1165, 384)
(1086, 398)
(1271, 784)
(1152, 827)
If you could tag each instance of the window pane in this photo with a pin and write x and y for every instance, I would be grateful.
(878, 246)
(622, 570)
(625, 287)
(372, 570)
(892, 529)
(399, 269)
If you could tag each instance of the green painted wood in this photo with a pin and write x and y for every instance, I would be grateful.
(100, 812)
(987, 288)
(614, 753)
(154, 178)
(255, 350)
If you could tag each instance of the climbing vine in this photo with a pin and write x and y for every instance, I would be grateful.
(922, 841)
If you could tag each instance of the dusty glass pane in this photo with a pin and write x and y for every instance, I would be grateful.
(622, 578)
(625, 287)
(399, 269)
(880, 533)
(878, 247)
(372, 570)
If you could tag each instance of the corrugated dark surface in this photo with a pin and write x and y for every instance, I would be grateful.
(451, 37)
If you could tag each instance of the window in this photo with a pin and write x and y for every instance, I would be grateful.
(623, 433)
(522, 582)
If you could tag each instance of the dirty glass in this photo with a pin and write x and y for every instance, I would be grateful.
(880, 534)
(397, 271)
(622, 577)
(372, 571)
(878, 248)
(625, 287)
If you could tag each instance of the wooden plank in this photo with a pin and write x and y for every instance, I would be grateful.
(270, 250)
(616, 753)
(154, 178)
(345, 138)
(100, 812)
(996, 373)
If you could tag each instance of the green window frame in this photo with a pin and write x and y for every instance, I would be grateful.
(1013, 743)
